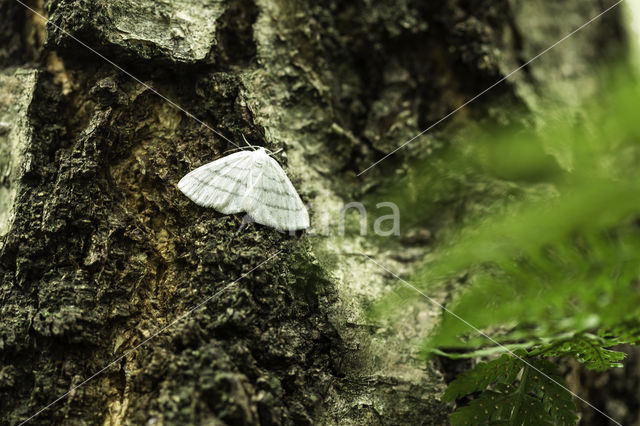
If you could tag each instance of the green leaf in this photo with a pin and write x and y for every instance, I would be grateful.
(589, 350)
(538, 397)
(501, 370)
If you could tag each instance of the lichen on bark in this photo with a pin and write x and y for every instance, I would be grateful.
(182, 31)
(16, 90)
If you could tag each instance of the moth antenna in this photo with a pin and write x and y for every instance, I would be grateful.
(242, 148)
(247, 142)
(271, 153)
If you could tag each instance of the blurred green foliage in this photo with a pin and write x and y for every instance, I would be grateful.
(552, 260)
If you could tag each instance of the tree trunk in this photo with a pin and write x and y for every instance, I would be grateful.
(99, 250)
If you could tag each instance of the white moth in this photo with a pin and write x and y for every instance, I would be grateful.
(251, 182)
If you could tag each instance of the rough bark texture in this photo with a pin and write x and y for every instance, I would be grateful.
(98, 249)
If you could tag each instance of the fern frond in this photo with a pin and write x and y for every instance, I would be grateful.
(501, 370)
(589, 350)
(513, 392)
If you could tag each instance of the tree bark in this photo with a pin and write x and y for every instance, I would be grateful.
(99, 250)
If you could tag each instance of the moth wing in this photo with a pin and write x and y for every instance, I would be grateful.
(221, 184)
(273, 200)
